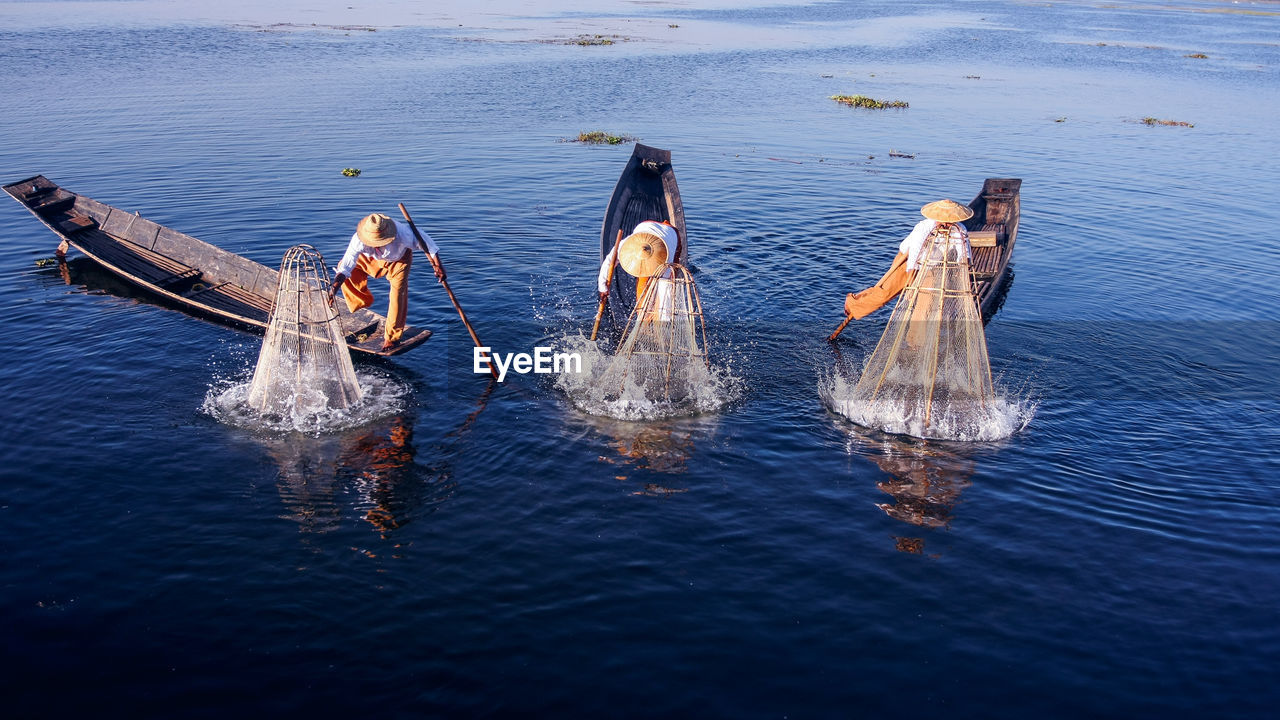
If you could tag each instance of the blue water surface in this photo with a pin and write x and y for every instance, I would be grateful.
(495, 551)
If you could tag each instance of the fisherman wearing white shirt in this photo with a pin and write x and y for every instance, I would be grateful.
(943, 212)
(381, 247)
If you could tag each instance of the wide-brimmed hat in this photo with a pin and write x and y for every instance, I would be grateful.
(642, 253)
(948, 211)
(376, 230)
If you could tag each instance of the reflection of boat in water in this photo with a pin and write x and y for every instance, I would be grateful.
(925, 480)
(637, 450)
(373, 470)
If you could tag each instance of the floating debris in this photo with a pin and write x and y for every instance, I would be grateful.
(673, 26)
(600, 137)
(1197, 56)
(972, 77)
(1170, 123)
(895, 153)
(351, 172)
(862, 101)
(46, 262)
(1061, 119)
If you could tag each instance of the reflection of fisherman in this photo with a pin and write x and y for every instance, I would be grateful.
(382, 247)
(943, 216)
(649, 247)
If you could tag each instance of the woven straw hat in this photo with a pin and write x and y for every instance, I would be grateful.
(642, 253)
(948, 211)
(376, 230)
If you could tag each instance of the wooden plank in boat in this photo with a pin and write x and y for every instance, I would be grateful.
(77, 223)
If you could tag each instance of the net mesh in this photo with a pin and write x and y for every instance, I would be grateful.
(932, 356)
(304, 365)
(663, 347)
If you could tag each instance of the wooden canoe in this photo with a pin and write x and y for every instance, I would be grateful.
(995, 220)
(190, 274)
(646, 191)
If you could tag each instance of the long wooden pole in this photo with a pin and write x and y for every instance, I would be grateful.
(834, 335)
(608, 283)
(423, 245)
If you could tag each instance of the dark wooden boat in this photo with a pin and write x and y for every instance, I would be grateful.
(993, 229)
(189, 274)
(646, 191)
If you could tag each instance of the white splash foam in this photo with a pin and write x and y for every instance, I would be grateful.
(995, 419)
(228, 402)
(595, 390)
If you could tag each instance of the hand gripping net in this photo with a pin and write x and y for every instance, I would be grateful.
(663, 349)
(932, 356)
(304, 365)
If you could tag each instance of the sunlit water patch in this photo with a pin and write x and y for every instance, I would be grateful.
(311, 413)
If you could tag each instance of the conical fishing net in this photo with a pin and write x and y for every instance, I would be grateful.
(932, 358)
(663, 350)
(304, 366)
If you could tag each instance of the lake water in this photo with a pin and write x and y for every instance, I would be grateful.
(475, 551)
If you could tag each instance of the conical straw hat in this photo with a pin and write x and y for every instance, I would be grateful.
(948, 211)
(376, 230)
(641, 254)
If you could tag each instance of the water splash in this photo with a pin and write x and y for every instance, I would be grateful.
(995, 418)
(601, 390)
(381, 395)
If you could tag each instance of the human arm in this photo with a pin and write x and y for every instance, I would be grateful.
(428, 245)
(602, 279)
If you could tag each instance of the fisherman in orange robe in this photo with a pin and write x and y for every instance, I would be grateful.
(907, 261)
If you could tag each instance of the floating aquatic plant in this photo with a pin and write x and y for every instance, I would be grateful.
(1171, 123)
(351, 172)
(46, 262)
(1198, 56)
(600, 137)
(862, 101)
(585, 40)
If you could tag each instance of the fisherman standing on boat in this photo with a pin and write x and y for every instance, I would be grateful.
(649, 246)
(946, 216)
(382, 247)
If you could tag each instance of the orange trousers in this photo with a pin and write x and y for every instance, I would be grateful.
(861, 304)
(355, 289)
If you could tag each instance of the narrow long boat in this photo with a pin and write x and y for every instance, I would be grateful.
(189, 274)
(993, 230)
(646, 191)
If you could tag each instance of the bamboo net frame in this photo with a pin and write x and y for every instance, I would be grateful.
(304, 364)
(665, 336)
(933, 350)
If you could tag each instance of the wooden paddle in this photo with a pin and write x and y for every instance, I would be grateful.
(423, 245)
(607, 284)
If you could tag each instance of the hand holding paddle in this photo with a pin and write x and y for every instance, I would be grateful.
(440, 275)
